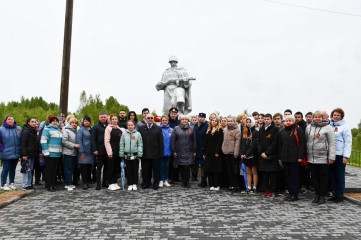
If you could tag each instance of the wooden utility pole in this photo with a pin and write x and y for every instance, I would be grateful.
(64, 89)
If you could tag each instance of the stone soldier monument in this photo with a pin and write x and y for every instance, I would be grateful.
(177, 88)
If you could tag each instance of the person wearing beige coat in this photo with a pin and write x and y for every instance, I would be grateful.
(231, 147)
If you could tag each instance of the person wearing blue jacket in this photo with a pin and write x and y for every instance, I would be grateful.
(343, 139)
(200, 128)
(85, 152)
(167, 152)
(51, 144)
(10, 151)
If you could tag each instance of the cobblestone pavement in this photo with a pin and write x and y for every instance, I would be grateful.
(174, 213)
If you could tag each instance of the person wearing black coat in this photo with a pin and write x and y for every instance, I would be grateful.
(153, 145)
(291, 152)
(173, 170)
(212, 151)
(122, 119)
(249, 153)
(305, 172)
(200, 128)
(97, 143)
(267, 148)
(29, 150)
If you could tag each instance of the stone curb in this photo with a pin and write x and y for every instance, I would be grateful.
(350, 199)
(14, 199)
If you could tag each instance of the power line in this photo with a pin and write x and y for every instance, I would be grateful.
(311, 8)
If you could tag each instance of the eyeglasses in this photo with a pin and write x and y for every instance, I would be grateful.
(150, 118)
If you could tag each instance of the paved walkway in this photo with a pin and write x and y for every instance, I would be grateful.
(174, 213)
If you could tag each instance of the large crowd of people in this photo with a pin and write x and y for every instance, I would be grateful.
(274, 155)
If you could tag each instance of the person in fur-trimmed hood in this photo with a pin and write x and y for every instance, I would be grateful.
(231, 148)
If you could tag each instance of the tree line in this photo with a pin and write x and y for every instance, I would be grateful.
(90, 105)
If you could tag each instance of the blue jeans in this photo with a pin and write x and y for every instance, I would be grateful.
(337, 176)
(164, 168)
(28, 175)
(69, 167)
(9, 166)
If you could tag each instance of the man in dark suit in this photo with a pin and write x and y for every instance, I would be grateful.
(152, 151)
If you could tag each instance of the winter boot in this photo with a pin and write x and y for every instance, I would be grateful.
(203, 183)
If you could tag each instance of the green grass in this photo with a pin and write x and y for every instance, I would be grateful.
(3, 191)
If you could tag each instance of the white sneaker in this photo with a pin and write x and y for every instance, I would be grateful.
(217, 188)
(166, 183)
(5, 188)
(67, 186)
(116, 186)
(112, 187)
(12, 186)
(130, 188)
(134, 187)
(212, 189)
(160, 184)
(70, 188)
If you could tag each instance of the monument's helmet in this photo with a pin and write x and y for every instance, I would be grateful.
(173, 59)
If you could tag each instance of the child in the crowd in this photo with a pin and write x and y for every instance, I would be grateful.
(249, 153)
(131, 149)
(267, 147)
(231, 149)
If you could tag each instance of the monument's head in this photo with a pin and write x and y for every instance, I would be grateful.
(173, 60)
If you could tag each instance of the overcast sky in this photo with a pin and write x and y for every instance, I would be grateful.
(246, 54)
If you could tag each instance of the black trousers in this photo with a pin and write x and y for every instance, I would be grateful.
(50, 171)
(101, 161)
(112, 169)
(281, 181)
(173, 172)
(85, 171)
(269, 181)
(132, 169)
(185, 173)
(224, 175)
(195, 168)
(319, 174)
(305, 176)
(230, 168)
(292, 173)
(213, 179)
(37, 170)
(150, 166)
(76, 173)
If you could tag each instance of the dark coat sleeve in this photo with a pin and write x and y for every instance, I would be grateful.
(194, 136)
(301, 137)
(280, 143)
(23, 141)
(93, 139)
(220, 142)
(173, 140)
(259, 143)
(160, 142)
(205, 146)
